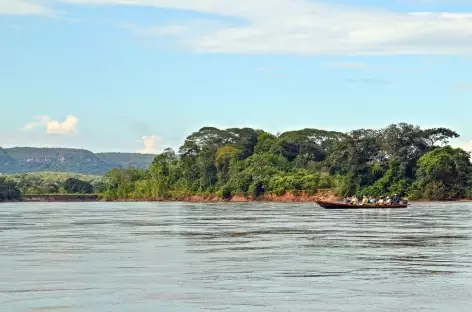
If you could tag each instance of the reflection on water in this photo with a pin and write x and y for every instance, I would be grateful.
(234, 257)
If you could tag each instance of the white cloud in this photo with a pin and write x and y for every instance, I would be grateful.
(68, 126)
(306, 27)
(299, 27)
(151, 144)
(24, 7)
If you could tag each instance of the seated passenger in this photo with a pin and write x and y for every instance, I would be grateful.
(355, 201)
(396, 199)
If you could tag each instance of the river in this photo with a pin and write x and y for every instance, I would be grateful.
(234, 257)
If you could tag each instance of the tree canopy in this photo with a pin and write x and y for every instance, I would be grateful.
(76, 186)
(401, 158)
(252, 162)
(8, 190)
(444, 173)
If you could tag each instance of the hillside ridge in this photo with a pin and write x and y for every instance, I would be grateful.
(36, 159)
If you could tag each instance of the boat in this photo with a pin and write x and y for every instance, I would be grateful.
(337, 205)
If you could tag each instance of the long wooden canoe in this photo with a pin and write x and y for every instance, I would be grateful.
(336, 205)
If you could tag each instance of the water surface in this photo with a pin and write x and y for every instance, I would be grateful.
(234, 257)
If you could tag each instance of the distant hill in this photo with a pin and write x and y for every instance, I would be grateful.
(29, 159)
(125, 160)
(5, 160)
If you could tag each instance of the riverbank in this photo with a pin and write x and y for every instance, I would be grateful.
(288, 197)
(325, 195)
(60, 198)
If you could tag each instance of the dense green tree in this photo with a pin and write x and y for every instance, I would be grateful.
(76, 186)
(9, 190)
(223, 158)
(267, 143)
(314, 143)
(120, 183)
(444, 173)
(244, 140)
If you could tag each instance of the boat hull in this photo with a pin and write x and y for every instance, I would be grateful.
(334, 205)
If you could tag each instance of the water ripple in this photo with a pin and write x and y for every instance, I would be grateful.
(234, 257)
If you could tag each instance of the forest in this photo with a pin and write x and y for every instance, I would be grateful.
(12, 187)
(402, 158)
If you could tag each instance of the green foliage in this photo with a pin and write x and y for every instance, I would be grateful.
(435, 190)
(401, 158)
(223, 158)
(51, 182)
(225, 192)
(443, 173)
(122, 183)
(267, 143)
(312, 144)
(8, 190)
(76, 186)
(299, 181)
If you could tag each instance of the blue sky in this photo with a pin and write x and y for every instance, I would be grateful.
(140, 75)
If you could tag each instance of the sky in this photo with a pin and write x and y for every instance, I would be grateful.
(141, 75)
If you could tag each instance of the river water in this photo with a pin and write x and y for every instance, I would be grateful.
(234, 257)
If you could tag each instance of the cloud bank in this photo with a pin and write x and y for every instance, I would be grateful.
(68, 126)
(297, 27)
(305, 27)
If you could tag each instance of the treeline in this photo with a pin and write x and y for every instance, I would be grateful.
(36, 183)
(13, 187)
(401, 158)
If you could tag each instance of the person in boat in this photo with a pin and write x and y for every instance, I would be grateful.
(372, 200)
(388, 201)
(396, 200)
(365, 200)
(355, 201)
(381, 201)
